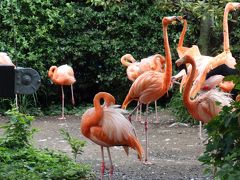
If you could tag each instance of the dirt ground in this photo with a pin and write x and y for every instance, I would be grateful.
(173, 150)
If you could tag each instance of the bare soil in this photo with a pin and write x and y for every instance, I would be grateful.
(173, 150)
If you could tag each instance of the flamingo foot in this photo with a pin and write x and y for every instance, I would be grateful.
(146, 162)
(62, 117)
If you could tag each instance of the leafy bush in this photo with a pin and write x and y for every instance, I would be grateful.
(20, 160)
(17, 131)
(30, 163)
(223, 148)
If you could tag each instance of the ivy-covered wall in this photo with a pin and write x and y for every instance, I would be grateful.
(92, 39)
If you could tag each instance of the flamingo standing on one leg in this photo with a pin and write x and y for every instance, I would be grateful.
(152, 85)
(204, 107)
(135, 69)
(62, 75)
(106, 126)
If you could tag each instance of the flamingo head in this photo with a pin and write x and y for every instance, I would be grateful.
(127, 59)
(171, 20)
(51, 71)
(233, 6)
(181, 63)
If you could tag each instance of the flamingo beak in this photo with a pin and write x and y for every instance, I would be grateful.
(181, 64)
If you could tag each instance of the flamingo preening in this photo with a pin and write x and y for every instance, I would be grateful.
(62, 75)
(135, 69)
(204, 107)
(152, 85)
(106, 126)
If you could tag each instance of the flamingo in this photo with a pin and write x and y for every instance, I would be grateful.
(62, 75)
(224, 58)
(5, 59)
(106, 126)
(152, 85)
(204, 107)
(135, 69)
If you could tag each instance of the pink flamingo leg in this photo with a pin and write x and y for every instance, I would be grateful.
(130, 115)
(62, 104)
(156, 111)
(73, 101)
(137, 119)
(103, 164)
(111, 165)
(146, 138)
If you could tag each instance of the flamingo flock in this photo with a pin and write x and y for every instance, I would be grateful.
(202, 86)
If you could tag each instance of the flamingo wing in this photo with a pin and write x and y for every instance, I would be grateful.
(211, 103)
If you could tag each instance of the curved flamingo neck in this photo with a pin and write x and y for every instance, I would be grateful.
(168, 72)
(226, 46)
(181, 39)
(186, 93)
(108, 100)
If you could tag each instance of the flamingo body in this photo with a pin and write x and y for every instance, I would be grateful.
(106, 126)
(5, 59)
(62, 75)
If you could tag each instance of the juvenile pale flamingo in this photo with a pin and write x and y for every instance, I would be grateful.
(152, 85)
(204, 107)
(62, 75)
(135, 69)
(106, 126)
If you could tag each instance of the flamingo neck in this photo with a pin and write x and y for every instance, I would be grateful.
(186, 93)
(168, 72)
(181, 39)
(226, 46)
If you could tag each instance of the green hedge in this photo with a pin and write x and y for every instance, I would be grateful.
(92, 39)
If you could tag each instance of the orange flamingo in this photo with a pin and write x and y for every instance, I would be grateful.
(62, 75)
(135, 69)
(204, 107)
(224, 58)
(106, 126)
(152, 85)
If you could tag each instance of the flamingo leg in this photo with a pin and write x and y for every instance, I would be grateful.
(62, 103)
(16, 101)
(111, 165)
(200, 130)
(146, 138)
(73, 101)
(103, 163)
(156, 111)
(137, 119)
(130, 115)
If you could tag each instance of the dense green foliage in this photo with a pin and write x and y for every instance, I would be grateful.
(31, 163)
(222, 154)
(20, 160)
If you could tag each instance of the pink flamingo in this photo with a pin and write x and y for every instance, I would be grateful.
(204, 107)
(152, 85)
(62, 75)
(106, 126)
(135, 69)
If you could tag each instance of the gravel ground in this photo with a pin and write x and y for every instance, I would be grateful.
(173, 150)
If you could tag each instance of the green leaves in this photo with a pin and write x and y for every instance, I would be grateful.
(222, 150)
